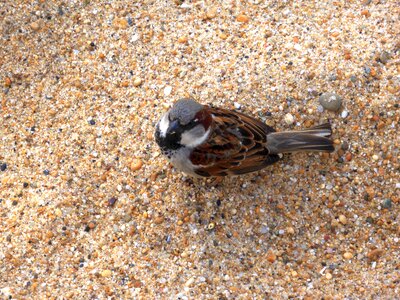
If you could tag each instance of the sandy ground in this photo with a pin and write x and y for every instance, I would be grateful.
(89, 208)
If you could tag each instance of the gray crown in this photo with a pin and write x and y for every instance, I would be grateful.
(184, 110)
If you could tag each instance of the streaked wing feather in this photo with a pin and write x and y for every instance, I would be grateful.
(236, 145)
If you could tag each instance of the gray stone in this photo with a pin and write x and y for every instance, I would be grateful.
(330, 101)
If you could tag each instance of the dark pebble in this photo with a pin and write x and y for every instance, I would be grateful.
(168, 239)
(130, 21)
(218, 202)
(345, 146)
(87, 228)
(3, 166)
(384, 57)
(387, 204)
(332, 77)
(112, 201)
(92, 122)
(370, 220)
(15, 202)
(46, 172)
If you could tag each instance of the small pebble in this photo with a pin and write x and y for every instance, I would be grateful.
(3, 166)
(375, 254)
(58, 212)
(92, 122)
(237, 105)
(289, 119)
(375, 157)
(242, 18)
(46, 172)
(7, 82)
(137, 82)
(343, 219)
(136, 164)
(167, 90)
(189, 282)
(112, 201)
(159, 220)
(183, 39)
(328, 276)
(384, 57)
(330, 101)
(91, 225)
(387, 204)
(211, 13)
(344, 114)
(348, 156)
(106, 273)
(120, 23)
(264, 229)
(271, 256)
(348, 255)
(35, 26)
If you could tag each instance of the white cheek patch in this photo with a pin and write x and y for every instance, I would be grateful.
(195, 137)
(163, 125)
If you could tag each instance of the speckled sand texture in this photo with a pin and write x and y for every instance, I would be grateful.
(89, 208)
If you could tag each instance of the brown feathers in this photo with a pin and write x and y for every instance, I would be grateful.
(235, 146)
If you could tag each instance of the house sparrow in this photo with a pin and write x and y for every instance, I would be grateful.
(202, 140)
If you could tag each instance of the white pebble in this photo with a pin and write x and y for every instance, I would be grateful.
(237, 105)
(167, 90)
(189, 282)
(289, 119)
(297, 47)
(398, 185)
(344, 114)
(135, 38)
(137, 81)
(375, 157)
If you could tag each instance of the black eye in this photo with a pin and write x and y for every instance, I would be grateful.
(174, 126)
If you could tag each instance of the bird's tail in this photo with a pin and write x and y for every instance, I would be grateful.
(311, 139)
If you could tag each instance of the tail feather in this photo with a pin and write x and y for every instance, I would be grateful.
(311, 139)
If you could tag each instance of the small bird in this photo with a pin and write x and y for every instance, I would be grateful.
(207, 141)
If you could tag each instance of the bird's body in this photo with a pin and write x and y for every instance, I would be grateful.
(201, 140)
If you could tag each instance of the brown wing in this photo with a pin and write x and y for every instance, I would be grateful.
(236, 145)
